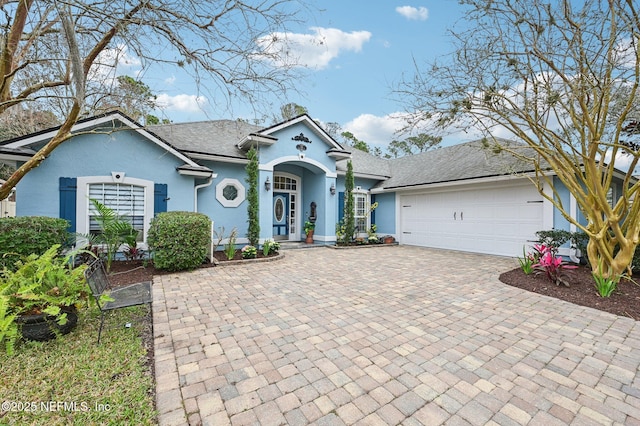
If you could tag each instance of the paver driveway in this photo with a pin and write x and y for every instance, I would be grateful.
(385, 335)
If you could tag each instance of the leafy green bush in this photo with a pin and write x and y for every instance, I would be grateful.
(553, 238)
(179, 240)
(26, 235)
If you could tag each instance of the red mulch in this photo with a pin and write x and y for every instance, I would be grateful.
(625, 301)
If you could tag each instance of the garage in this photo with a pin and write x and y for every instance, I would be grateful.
(483, 219)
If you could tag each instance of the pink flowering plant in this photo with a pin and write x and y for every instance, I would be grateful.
(249, 252)
(551, 265)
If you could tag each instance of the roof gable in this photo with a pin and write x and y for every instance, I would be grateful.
(103, 120)
(311, 124)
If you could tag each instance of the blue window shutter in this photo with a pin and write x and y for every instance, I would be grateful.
(159, 198)
(68, 189)
(373, 212)
(340, 206)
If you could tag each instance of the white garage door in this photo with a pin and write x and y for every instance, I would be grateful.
(494, 220)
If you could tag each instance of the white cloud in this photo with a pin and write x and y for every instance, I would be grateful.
(182, 102)
(376, 130)
(112, 62)
(170, 80)
(315, 50)
(413, 13)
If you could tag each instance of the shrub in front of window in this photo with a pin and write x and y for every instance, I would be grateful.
(179, 240)
(23, 236)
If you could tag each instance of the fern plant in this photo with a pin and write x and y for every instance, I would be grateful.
(43, 284)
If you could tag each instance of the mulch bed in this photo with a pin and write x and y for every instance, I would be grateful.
(625, 301)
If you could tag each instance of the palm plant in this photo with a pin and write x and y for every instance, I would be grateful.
(114, 230)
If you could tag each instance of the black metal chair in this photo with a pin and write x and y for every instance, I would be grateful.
(121, 296)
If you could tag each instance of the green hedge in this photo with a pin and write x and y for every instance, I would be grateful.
(179, 240)
(25, 235)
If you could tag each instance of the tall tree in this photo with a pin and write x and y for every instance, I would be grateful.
(562, 77)
(19, 121)
(60, 53)
(349, 205)
(292, 110)
(352, 140)
(413, 145)
(131, 96)
(253, 198)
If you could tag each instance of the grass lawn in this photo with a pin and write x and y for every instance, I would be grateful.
(71, 380)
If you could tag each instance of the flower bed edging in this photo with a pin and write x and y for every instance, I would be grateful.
(217, 262)
(356, 246)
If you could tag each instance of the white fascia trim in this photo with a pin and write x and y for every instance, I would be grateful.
(314, 126)
(197, 173)
(106, 119)
(256, 139)
(16, 157)
(364, 175)
(339, 155)
(268, 167)
(461, 182)
(220, 158)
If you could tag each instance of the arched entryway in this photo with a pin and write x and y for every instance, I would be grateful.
(286, 206)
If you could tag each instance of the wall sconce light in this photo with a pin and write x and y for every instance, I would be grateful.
(332, 190)
(267, 184)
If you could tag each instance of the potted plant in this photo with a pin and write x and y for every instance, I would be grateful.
(39, 299)
(309, 228)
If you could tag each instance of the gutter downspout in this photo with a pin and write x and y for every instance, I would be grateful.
(195, 193)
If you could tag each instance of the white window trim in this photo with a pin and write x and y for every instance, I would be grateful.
(367, 205)
(82, 199)
(220, 196)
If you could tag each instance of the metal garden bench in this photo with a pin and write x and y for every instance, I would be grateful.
(122, 296)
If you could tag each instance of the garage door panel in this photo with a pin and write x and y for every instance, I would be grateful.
(497, 220)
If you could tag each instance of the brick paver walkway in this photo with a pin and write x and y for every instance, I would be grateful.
(385, 335)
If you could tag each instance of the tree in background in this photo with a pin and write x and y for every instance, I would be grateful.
(413, 145)
(253, 200)
(19, 121)
(58, 54)
(291, 110)
(360, 144)
(562, 77)
(131, 96)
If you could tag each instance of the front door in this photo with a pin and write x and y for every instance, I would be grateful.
(280, 216)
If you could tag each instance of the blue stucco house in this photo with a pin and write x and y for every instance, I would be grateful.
(462, 197)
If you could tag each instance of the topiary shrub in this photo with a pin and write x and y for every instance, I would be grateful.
(179, 240)
(26, 235)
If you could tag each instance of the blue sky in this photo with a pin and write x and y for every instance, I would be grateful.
(367, 46)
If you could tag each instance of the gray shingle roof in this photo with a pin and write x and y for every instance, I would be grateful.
(458, 162)
(366, 164)
(218, 137)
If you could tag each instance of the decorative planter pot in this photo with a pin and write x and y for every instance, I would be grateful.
(309, 239)
(388, 240)
(43, 327)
